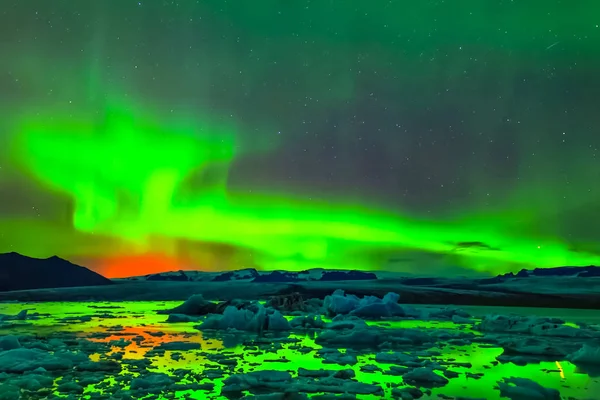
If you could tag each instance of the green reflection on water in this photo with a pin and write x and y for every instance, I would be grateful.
(140, 319)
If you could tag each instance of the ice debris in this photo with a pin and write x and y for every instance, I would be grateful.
(195, 305)
(253, 318)
(21, 360)
(586, 355)
(21, 316)
(538, 326)
(367, 307)
(308, 321)
(526, 389)
(394, 358)
(532, 346)
(281, 381)
(424, 376)
(9, 342)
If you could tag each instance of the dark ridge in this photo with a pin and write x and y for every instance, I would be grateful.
(588, 273)
(420, 281)
(347, 276)
(579, 272)
(18, 272)
(181, 277)
(567, 271)
(277, 276)
(491, 281)
(328, 276)
(229, 276)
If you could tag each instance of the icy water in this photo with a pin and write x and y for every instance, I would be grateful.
(133, 340)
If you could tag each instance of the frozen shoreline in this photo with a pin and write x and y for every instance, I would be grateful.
(550, 294)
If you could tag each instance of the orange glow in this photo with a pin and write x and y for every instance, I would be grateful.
(127, 262)
(137, 349)
(135, 265)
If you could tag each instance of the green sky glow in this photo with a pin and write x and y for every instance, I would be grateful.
(149, 186)
(208, 135)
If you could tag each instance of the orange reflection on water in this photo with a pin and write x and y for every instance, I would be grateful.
(142, 339)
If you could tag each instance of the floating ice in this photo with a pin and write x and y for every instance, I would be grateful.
(367, 307)
(151, 380)
(22, 360)
(586, 355)
(254, 318)
(532, 346)
(9, 342)
(195, 305)
(533, 325)
(526, 389)
(21, 316)
(308, 321)
(425, 377)
(394, 358)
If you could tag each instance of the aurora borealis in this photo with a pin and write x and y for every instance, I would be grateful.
(140, 136)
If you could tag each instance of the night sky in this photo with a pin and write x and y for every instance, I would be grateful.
(138, 136)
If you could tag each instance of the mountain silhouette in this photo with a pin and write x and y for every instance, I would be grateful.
(18, 272)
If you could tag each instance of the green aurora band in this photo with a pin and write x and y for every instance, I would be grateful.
(149, 186)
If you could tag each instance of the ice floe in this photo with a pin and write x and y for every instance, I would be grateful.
(253, 318)
(525, 389)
